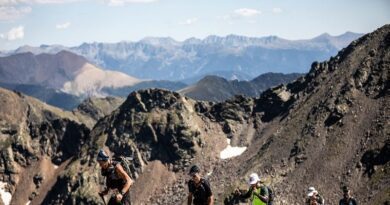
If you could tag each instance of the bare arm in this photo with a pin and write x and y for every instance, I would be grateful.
(210, 200)
(189, 201)
(122, 174)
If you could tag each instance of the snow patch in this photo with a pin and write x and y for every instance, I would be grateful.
(5, 196)
(230, 151)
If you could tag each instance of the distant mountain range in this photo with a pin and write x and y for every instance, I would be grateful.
(217, 89)
(233, 55)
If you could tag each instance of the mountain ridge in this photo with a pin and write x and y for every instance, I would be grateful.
(65, 71)
(218, 89)
(167, 59)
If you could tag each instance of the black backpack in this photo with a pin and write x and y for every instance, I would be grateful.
(127, 164)
(271, 195)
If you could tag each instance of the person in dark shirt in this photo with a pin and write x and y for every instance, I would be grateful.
(116, 179)
(347, 198)
(199, 189)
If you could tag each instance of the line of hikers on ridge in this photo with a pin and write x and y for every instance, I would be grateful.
(199, 190)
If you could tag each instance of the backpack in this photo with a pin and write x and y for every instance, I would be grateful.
(126, 163)
(271, 195)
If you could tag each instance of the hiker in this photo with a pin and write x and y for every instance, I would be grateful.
(116, 179)
(347, 198)
(271, 195)
(257, 191)
(199, 189)
(313, 197)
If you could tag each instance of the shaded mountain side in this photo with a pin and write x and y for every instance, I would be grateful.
(47, 95)
(64, 71)
(268, 80)
(217, 89)
(35, 138)
(161, 84)
(97, 108)
(44, 69)
(228, 75)
(327, 129)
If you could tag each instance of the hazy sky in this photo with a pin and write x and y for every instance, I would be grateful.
(71, 22)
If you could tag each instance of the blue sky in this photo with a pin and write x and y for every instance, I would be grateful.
(72, 22)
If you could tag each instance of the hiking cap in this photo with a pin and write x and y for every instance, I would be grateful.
(345, 189)
(253, 179)
(194, 169)
(311, 191)
(102, 156)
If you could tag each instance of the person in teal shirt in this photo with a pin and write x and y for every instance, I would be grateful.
(258, 192)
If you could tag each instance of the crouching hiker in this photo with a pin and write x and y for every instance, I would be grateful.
(313, 197)
(199, 189)
(257, 192)
(116, 179)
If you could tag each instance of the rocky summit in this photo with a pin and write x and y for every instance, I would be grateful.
(327, 129)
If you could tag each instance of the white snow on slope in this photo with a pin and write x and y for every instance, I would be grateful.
(5, 196)
(230, 151)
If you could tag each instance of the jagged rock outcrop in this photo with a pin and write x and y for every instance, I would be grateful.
(93, 109)
(35, 137)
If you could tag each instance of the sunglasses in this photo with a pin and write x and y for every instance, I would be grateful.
(193, 175)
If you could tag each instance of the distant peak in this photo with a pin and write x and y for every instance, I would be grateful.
(211, 78)
(159, 40)
(324, 35)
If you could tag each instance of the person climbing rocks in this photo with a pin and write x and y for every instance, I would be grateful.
(199, 189)
(116, 179)
(257, 192)
(313, 197)
(347, 198)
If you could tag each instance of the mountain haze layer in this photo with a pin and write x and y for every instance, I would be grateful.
(167, 59)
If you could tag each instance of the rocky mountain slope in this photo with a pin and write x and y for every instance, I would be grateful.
(97, 108)
(167, 59)
(50, 96)
(217, 89)
(37, 141)
(326, 129)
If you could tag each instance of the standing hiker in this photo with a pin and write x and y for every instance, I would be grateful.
(347, 198)
(313, 197)
(116, 179)
(257, 191)
(199, 189)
